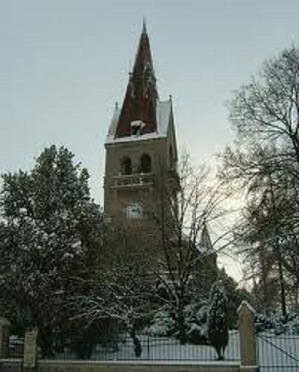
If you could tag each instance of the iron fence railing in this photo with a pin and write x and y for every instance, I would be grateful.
(15, 347)
(278, 353)
(153, 348)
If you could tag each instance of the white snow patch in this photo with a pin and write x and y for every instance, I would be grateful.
(163, 119)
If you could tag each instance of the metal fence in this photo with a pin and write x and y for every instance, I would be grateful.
(15, 347)
(152, 348)
(278, 353)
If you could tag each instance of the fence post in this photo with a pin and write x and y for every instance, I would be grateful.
(30, 351)
(4, 338)
(248, 344)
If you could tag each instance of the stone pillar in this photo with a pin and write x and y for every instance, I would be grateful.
(4, 338)
(248, 344)
(30, 351)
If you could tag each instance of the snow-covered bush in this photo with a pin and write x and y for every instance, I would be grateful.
(277, 323)
(196, 323)
(263, 322)
(293, 326)
(163, 323)
(197, 334)
(196, 313)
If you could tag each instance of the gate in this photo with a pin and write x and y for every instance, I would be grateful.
(278, 353)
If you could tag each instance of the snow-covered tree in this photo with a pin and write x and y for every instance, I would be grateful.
(217, 325)
(123, 294)
(234, 295)
(49, 226)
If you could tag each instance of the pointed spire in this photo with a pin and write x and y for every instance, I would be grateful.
(205, 239)
(144, 25)
(141, 95)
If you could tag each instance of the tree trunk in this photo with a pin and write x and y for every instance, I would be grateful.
(181, 325)
(282, 285)
(45, 340)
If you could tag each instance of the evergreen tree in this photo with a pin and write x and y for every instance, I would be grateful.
(48, 227)
(234, 295)
(218, 320)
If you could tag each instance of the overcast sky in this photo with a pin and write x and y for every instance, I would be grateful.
(64, 64)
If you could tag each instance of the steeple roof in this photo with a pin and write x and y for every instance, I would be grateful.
(205, 244)
(141, 95)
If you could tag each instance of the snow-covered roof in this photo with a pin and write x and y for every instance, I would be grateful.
(163, 113)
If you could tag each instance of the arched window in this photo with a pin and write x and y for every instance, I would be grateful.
(145, 164)
(126, 165)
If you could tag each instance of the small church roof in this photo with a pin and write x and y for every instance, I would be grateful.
(163, 115)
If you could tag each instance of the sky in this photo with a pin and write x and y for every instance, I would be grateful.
(64, 64)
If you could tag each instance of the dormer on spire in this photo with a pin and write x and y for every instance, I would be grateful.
(141, 95)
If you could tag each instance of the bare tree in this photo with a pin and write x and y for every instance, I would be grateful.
(264, 161)
(187, 203)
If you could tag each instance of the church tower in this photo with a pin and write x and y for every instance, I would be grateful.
(140, 146)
